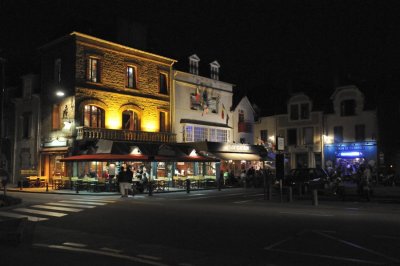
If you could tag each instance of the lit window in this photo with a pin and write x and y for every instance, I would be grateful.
(93, 116)
(163, 83)
(130, 120)
(188, 134)
(163, 122)
(264, 135)
(93, 70)
(55, 118)
(131, 77)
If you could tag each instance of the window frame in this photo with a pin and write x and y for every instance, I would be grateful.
(165, 74)
(127, 79)
(336, 137)
(89, 72)
(100, 113)
(289, 141)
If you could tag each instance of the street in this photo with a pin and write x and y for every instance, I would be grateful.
(228, 227)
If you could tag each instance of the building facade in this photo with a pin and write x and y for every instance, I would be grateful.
(350, 132)
(94, 89)
(243, 119)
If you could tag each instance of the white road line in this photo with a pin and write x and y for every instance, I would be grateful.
(46, 213)
(358, 246)
(278, 243)
(74, 244)
(149, 257)
(16, 215)
(328, 257)
(243, 201)
(83, 202)
(96, 200)
(54, 208)
(306, 213)
(112, 250)
(104, 253)
(71, 205)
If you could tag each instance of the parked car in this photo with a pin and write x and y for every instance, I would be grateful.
(307, 179)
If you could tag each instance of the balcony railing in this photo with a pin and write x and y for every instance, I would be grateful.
(115, 134)
(245, 127)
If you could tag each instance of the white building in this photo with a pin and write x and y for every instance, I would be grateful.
(243, 119)
(201, 105)
(350, 132)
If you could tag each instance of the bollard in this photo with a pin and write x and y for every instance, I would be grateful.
(47, 187)
(280, 190)
(188, 185)
(77, 187)
(290, 194)
(150, 188)
(315, 197)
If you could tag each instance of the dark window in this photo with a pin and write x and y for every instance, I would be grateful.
(130, 120)
(26, 125)
(57, 70)
(264, 135)
(292, 136)
(163, 83)
(304, 111)
(55, 119)
(93, 116)
(347, 107)
(360, 132)
(241, 116)
(294, 112)
(131, 77)
(93, 70)
(308, 135)
(338, 134)
(163, 122)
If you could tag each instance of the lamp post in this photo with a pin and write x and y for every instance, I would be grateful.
(3, 83)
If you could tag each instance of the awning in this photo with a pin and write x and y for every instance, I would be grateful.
(54, 150)
(105, 158)
(185, 159)
(237, 156)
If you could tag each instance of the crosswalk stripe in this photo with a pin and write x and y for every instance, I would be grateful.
(54, 208)
(83, 202)
(70, 205)
(16, 215)
(96, 200)
(46, 213)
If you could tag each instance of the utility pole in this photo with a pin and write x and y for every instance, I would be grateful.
(2, 95)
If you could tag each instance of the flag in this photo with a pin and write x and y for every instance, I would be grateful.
(197, 94)
(223, 111)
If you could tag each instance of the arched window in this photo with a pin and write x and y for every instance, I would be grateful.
(130, 120)
(93, 116)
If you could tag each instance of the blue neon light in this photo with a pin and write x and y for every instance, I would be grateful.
(350, 154)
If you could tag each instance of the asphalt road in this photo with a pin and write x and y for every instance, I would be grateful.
(228, 227)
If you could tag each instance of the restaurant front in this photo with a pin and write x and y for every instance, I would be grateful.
(167, 166)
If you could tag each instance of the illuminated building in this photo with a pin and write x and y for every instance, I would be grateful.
(94, 89)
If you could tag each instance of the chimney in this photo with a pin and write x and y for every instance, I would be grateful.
(194, 64)
(215, 69)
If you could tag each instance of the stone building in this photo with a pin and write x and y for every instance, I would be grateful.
(95, 89)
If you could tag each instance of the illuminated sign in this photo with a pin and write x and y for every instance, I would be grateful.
(280, 143)
(350, 154)
(238, 147)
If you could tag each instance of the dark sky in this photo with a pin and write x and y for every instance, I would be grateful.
(267, 48)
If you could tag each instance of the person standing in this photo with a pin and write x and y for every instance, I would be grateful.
(129, 178)
(123, 182)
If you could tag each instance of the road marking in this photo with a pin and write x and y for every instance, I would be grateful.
(358, 246)
(306, 213)
(71, 205)
(46, 213)
(112, 250)
(149, 257)
(105, 253)
(95, 200)
(243, 201)
(54, 208)
(328, 257)
(278, 243)
(83, 202)
(74, 244)
(16, 215)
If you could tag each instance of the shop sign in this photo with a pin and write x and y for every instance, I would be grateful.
(28, 172)
(280, 143)
(236, 148)
(55, 143)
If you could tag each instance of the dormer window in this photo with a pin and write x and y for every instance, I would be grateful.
(300, 111)
(215, 70)
(194, 64)
(348, 107)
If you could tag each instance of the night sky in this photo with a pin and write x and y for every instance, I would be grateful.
(268, 49)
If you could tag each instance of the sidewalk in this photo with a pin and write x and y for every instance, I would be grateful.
(59, 191)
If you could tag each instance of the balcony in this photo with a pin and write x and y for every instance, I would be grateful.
(126, 135)
(245, 127)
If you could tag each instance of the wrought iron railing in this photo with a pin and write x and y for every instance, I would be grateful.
(115, 134)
